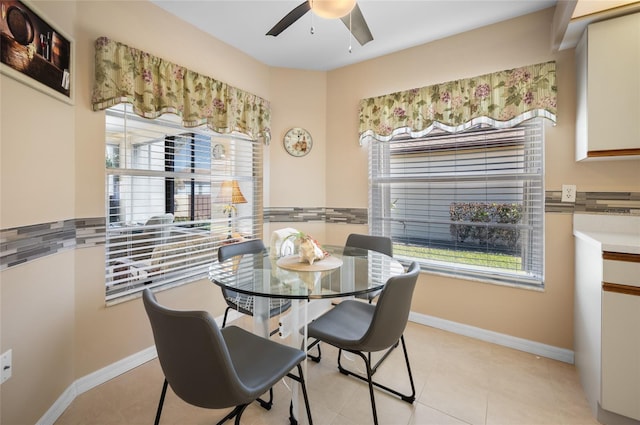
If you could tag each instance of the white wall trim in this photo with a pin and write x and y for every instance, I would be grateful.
(537, 348)
(93, 380)
(60, 405)
(105, 374)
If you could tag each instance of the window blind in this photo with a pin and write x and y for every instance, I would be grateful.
(468, 204)
(173, 196)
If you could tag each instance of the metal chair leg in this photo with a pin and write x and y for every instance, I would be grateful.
(367, 363)
(224, 320)
(300, 379)
(409, 398)
(237, 412)
(317, 358)
(161, 403)
(384, 356)
(267, 404)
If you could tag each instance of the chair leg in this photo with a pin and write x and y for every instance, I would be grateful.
(273, 332)
(384, 356)
(409, 398)
(161, 403)
(266, 404)
(367, 363)
(300, 379)
(412, 397)
(240, 412)
(368, 378)
(237, 412)
(224, 319)
(315, 343)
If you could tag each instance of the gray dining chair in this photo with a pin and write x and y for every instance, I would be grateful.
(363, 328)
(357, 244)
(380, 244)
(242, 302)
(217, 368)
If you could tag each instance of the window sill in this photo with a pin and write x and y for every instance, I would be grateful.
(453, 275)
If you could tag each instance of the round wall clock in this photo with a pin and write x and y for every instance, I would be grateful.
(218, 151)
(297, 141)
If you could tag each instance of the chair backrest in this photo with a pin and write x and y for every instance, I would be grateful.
(252, 246)
(158, 227)
(158, 220)
(225, 252)
(194, 356)
(381, 244)
(391, 311)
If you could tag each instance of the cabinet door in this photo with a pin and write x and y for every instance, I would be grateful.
(613, 91)
(621, 354)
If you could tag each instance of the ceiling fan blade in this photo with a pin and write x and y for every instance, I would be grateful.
(290, 18)
(359, 27)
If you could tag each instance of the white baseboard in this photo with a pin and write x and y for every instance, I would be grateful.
(544, 350)
(93, 380)
(105, 374)
(109, 372)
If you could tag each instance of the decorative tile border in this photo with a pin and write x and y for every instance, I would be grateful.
(22, 244)
(347, 215)
(294, 214)
(594, 202)
(319, 214)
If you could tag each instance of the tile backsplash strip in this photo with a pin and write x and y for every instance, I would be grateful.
(594, 202)
(22, 244)
(319, 214)
(19, 245)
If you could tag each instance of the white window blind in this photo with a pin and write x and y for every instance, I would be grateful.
(173, 196)
(468, 204)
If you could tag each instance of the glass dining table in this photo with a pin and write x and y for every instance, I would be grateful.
(344, 272)
(258, 278)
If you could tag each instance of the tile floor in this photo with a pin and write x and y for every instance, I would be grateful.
(458, 380)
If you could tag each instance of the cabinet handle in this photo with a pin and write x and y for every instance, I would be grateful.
(621, 289)
(613, 152)
(621, 256)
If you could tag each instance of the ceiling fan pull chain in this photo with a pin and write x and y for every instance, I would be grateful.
(312, 30)
(350, 33)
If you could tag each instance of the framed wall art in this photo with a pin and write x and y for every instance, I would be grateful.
(35, 52)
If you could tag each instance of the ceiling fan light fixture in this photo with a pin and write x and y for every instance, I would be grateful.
(332, 9)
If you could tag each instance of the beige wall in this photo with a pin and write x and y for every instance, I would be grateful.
(298, 99)
(53, 313)
(52, 168)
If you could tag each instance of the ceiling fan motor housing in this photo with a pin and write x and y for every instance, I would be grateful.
(332, 9)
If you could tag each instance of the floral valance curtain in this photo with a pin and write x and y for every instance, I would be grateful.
(501, 99)
(154, 86)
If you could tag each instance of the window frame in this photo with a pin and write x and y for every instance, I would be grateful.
(382, 204)
(178, 252)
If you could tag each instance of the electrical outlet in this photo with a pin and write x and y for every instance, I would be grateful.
(568, 193)
(5, 366)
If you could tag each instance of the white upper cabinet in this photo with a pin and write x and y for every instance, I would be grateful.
(608, 90)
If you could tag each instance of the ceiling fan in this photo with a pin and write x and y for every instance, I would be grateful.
(347, 10)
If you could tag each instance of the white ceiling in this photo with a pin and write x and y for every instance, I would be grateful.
(395, 25)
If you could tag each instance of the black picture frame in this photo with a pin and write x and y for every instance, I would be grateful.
(35, 52)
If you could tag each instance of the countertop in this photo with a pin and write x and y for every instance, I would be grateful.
(615, 233)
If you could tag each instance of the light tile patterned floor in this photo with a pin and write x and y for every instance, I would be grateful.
(458, 380)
